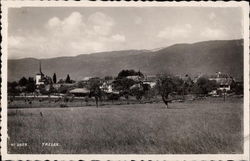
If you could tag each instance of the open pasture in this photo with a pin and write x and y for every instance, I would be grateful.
(34, 102)
(192, 127)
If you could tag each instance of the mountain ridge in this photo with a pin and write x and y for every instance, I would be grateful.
(205, 57)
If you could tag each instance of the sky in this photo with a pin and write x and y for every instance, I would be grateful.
(46, 32)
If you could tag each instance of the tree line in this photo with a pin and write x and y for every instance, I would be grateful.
(167, 86)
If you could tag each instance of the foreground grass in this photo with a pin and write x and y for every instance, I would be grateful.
(208, 126)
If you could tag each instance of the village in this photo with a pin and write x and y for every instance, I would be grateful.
(99, 114)
(122, 81)
(129, 86)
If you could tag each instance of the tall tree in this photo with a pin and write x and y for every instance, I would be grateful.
(95, 90)
(54, 78)
(123, 84)
(138, 92)
(31, 85)
(68, 79)
(125, 73)
(107, 78)
(23, 81)
(205, 85)
(166, 85)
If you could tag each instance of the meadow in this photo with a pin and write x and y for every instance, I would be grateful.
(34, 102)
(208, 126)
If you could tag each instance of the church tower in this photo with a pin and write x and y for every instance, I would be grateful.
(40, 67)
(40, 75)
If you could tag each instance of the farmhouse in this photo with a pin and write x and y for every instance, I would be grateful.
(107, 87)
(136, 78)
(150, 80)
(86, 79)
(137, 85)
(80, 92)
(223, 80)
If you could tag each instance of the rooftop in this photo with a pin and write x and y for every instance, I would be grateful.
(79, 90)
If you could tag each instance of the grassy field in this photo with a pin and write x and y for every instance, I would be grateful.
(197, 127)
(76, 102)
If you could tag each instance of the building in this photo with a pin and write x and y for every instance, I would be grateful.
(80, 92)
(223, 80)
(150, 80)
(107, 87)
(136, 78)
(40, 79)
(86, 79)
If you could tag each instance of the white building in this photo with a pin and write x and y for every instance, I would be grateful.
(108, 88)
(150, 80)
(223, 80)
(40, 76)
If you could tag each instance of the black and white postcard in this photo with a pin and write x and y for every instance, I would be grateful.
(125, 80)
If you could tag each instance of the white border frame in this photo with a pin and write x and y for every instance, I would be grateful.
(5, 155)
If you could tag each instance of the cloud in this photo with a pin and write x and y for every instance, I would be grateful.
(69, 27)
(212, 33)
(175, 32)
(25, 46)
(72, 35)
(119, 37)
(54, 22)
(15, 41)
(101, 23)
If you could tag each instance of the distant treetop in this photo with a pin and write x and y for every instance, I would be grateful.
(125, 73)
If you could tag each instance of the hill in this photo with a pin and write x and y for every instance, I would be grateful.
(205, 57)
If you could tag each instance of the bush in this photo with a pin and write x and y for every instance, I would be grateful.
(63, 105)
(204, 86)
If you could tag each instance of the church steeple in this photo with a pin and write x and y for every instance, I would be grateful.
(40, 75)
(40, 68)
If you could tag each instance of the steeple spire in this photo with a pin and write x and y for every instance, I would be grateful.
(40, 67)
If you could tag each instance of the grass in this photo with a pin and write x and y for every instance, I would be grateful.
(76, 102)
(208, 126)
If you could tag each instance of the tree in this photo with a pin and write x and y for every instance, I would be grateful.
(237, 87)
(95, 90)
(107, 78)
(151, 93)
(113, 96)
(54, 78)
(12, 90)
(123, 86)
(137, 92)
(52, 90)
(204, 85)
(68, 79)
(23, 81)
(166, 86)
(61, 81)
(31, 85)
(12, 84)
(179, 85)
(187, 84)
(63, 89)
(125, 73)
